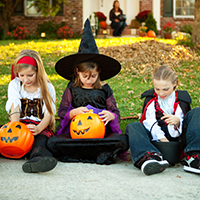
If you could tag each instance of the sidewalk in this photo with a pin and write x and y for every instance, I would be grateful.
(79, 181)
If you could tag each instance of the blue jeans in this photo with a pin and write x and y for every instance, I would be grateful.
(191, 128)
(139, 140)
(118, 28)
(140, 137)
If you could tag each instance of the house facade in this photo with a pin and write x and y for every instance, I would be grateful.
(75, 12)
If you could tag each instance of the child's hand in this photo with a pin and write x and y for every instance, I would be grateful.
(171, 119)
(106, 116)
(164, 140)
(77, 111)
(34, 129)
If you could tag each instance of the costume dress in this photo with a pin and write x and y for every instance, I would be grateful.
(32, 109)
(117, 26)
(152, 128)
(88, 150)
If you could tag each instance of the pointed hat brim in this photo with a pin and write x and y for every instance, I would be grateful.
(88, 52)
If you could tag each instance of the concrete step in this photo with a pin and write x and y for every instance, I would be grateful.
(126, 31)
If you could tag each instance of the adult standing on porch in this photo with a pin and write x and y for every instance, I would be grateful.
(116, 24)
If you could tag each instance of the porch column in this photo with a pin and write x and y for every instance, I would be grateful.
(156, 12)
(132, 9)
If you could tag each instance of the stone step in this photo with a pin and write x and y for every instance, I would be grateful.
(126, 31)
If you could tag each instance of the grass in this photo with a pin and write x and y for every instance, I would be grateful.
(127, 85)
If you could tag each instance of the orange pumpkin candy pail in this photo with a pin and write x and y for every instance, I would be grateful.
(86, 126)
(16, 140)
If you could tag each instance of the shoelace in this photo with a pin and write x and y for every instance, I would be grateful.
(194, 156)
(148, 156)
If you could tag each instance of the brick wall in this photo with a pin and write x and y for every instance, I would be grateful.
(177, 21)
(72, 16)
(147, 5)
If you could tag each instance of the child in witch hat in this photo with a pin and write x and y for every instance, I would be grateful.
(85, 70)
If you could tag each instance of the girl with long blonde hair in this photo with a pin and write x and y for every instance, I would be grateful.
(31, 100)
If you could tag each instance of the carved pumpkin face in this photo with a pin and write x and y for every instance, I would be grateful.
(15, 140)
(87, 125)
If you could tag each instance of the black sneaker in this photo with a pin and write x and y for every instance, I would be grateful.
(192, 163)
(39, 164)
(153, 163)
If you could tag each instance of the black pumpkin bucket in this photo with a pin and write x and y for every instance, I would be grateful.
(171, 150)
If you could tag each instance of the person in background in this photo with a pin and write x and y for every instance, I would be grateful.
(116, 24)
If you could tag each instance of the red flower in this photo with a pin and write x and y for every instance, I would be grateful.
(64, 32)
(100, 16)
(142, 16)
(169, 27)
(20, 32)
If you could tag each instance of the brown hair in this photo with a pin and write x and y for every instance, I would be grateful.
(165, 72)
(42, 79)
(114, 5)
(87, 67)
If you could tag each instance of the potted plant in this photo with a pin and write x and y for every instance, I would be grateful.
(102, 19)
(168, 28)
(142, 16)
(142, 31)
(151, 23)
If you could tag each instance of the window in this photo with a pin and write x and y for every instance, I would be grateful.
(30, 10)
(184, 8)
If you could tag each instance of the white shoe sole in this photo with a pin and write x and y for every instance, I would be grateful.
(191, 169)
(150, 167)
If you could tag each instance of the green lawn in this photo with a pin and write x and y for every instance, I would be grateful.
(127, 85)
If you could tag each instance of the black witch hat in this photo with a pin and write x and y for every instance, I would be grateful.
(88, 52)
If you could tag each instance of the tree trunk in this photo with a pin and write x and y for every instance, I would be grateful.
(6, 18)
(6, 28)
(196, 26)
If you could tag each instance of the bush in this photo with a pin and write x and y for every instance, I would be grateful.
(150, 23)
(20, 33)
(142, 16)
(64, 32)
(186, 29)
(49, 28)
(185, 41)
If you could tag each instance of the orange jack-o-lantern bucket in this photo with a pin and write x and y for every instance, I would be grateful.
(15, 140)
(87, 125)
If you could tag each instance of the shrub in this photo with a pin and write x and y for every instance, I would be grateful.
(142, 16)
(47, 27)
(151, 23)
(20, 33)
(187, 28)
(50, 28)
(185, 41)
(64, 32)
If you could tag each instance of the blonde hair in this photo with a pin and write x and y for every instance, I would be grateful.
(165, 72)
(87, 67)
(42, 79)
